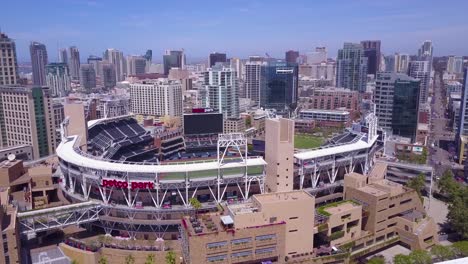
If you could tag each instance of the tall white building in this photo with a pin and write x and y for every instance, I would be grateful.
(402, 62)
(455, 64)
(421, 70)
(253, 71)
(161, 98)
(58, 79)
(237, 65)
(317, 56)
(9, 67)
(74, 62)
(222, 90)
(135, 65)
(116, 58)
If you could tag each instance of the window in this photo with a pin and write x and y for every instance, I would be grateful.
(216, 244)
(241, 241)
(265, 250)
(406, 201)
(294, 230)
(241, 254)
(216, 258)
(265, 237)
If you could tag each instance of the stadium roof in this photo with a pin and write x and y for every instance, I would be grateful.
(94, 122)
(338, 149)
(66, 151)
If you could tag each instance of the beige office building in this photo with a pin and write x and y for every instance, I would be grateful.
(10, 241)
(279, 153)
(26, 118)
(8, 61)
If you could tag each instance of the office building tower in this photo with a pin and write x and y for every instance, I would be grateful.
(87, 77)
(237, 65)
(421, 70)
(26, 118)
(173, 59)
(252, 81)
(149, 59)
(425, 53)
(402, 63)
(58, 79)
(39, 61)
(390, 63)
(397, 103)
(351, 67)
(74, 62)
(372, 53)
(160, 98)
(221, 90)
(108, 76)
(135, 65)
(291, 56)
(279, 85)
(9, 65)
(216, 57)
(255, 58)
(96, 62)
(463, 121)
(63, 56)
(455, 64)
(116, 58)
(317, 56)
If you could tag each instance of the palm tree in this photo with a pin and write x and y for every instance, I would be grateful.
(195, 204)
(102, 260)
(170, 257)
(150, 259)
(130, 259)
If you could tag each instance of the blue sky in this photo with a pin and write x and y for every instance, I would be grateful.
(238, 27)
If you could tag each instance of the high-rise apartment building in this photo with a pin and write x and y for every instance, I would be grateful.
(9, 66)
(425, 52)
(116, 58)
(372, 53)
(26, 117)
(351, 67)
(63, 56)
(463, 121)
(222, 90)
(252, 81)
(279, 85)
(136, 65)
(173, 59)
(216, 57)
(317, 56)
(455, 64)
(96, 62)
(87, 77)
(160, 98)
(149, 59)
(58, 79)
(238, 66)
(292, 56)
(74, 62)
(421, 70)
(108, 76)
(397, 103)
(39, 61)
(402, 63)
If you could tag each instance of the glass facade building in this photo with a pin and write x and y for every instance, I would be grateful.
(279, 85)
(173, 59)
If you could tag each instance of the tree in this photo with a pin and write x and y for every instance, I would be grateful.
(461, 248)
(417, 183)
(442, 253)
(402, 259)
(376, 260)
(248, 122)
(420, 257)
(170, 257)
(130, 259)
(195, 204)
(448, 185)
(458, 213)
(74, 261)
(102, 260)
(150, 259)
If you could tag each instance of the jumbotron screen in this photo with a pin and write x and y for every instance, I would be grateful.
(203, 123)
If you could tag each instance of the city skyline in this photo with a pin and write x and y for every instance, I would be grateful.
(94, 26)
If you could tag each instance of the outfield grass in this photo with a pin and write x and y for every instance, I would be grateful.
(304, 141)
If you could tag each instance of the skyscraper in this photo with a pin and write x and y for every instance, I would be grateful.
(116, 58)
(216, 57)
(291, 56)
(236, 63)
(135, 65)
(27, 116)
(252, 81)
(173, 59)
(425, 53)
(58, 79)
(421, 71)
(160, 98)
(402, 62)
(351, 67)
(455, 64)
(149, 59)
(9, 67)
(74, 62)
(279, 85)
(317, 56)
(87, 77)
(397, 104)
(108, 75)
(222, 90)
(63, 56)
(463, 121)
(372, 53)
(39, 61)
(96, 62)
